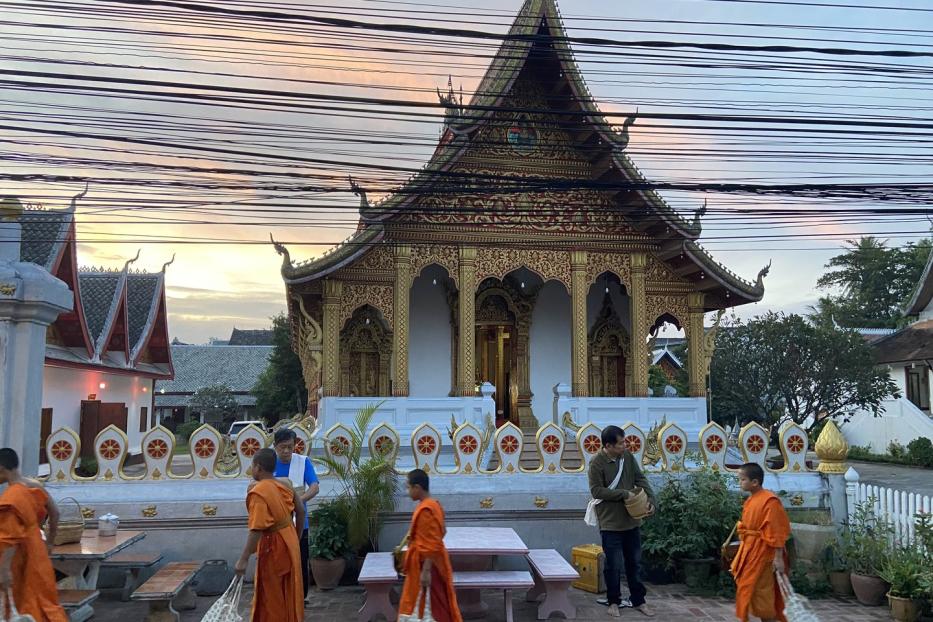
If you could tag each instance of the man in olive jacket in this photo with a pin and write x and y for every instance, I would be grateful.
(620, 532)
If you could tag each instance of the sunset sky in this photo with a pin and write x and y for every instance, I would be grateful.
(155, 187)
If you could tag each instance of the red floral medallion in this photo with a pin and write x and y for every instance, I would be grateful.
(426, 445)
(109, 449)
(384, 445)
(508, 444)
(468, 444)
(204, 448)
(591, 444)
(632, 443)
(714, 443)
(62, 450)
(550, 444)
(157, 448)
(795, 444)
(673, 444)
(299, 446)
(339, 446)
(755, 443)
(249, 447)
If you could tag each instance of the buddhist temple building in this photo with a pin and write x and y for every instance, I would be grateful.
(529, 253)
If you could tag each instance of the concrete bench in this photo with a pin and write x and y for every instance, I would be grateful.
(167, 590)
(132, 564)
(77, 603)
(553, 576)
(378, 576)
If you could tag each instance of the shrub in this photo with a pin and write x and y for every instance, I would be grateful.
(184, 431)
(903, 570)
(920, 452)
(866, 541)
(328, 537)
(896, 450)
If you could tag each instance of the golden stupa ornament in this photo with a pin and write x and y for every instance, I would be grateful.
(832, 449)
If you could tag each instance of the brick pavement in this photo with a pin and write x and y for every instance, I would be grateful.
(670, 602)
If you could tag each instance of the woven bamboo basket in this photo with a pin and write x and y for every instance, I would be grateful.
(637, 503)
(70, 530)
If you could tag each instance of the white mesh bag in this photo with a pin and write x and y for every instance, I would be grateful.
(796, 607)
(413, 616)
(6, 602)
(225, 608)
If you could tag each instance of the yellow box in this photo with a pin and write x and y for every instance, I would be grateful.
(589, 561)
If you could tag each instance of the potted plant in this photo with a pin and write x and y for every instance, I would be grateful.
(327, 545)
(867, 549)
(840, 578)
(903, 570)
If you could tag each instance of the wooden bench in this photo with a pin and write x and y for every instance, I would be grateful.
(167, 590)
(553, 576)
(77, 603)
(378, 577)
(132, 564)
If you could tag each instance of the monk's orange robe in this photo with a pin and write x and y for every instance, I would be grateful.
(278, 590)
(764, 528)
(426, 541)
(22, 510)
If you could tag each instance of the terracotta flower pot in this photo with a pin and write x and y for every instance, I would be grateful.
(869, 590)
(903, 609)
(327, 572)
(698, 571)
(841, 583)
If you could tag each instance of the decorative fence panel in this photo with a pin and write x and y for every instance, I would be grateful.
(899, 506)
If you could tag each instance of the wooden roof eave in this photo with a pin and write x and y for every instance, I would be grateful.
(743, 291)
(344, 253)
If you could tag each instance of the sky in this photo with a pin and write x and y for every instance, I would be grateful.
(136, 99)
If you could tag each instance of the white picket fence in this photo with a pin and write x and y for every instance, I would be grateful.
(901, 507)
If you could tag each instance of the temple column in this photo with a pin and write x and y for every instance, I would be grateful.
(639, 326)
(466, 364)
(578, 291)
(696, 367)
(400, 328)
(333, 290)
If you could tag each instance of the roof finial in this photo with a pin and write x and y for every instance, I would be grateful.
(629, 121)
(168, 263)
(698, 214)
(358, 191)
(452, 109)
(760, 283)
(126, 266)
(281, 250)
(80, 195)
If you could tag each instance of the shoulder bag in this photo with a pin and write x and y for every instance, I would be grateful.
(590, 517)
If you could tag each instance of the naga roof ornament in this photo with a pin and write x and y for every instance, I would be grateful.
(281, 250)
(358, 191)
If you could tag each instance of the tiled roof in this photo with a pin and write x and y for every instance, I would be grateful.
(177, 400)
(141, 303)
(43, 235)
(237, 367)
(99, 291)
(913, 343)
(260, 337)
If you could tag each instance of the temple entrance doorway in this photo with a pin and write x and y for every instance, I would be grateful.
(495, 349)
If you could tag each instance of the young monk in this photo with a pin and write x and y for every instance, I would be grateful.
(763, 530)
(427, 566)
(276, 518)
(25, 568)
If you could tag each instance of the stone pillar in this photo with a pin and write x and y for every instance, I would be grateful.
(466, 364)
(578, 291)
(400, 329)
(333, 290)
(30, 300)
(639, 326)
(696, 361)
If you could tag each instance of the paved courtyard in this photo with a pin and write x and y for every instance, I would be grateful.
(911, 479)
(670, 602)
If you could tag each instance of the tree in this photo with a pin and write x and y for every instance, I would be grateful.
(874, 282)
(214, 402)
(782, 366)
(280, 390)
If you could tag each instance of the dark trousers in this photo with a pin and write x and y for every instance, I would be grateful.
(305, 570)
(623, 549)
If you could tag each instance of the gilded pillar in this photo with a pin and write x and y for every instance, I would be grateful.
(696, 364)
(640, 326)
(579, 287)
(400, 328)
(333, 290)
(466, 364)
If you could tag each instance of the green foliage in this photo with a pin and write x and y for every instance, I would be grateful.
(778, 366)
(808, 586)
(695, 516)
(87, 467)
(873, 282)
(328, 532)
(896, 450)
(367, 487)
(903, 569)
(658, 380)
(923, 530)
(280, 389)
(865, 542)
(184, 431)
(920, 452)
(214, 402)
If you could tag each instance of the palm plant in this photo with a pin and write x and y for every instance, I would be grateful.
(367, 486)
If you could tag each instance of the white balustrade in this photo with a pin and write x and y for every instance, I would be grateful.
(897, 506)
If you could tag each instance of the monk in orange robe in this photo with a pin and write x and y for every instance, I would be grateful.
(763, 530)
(427, 565)
(25, 568)
(276, 518)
